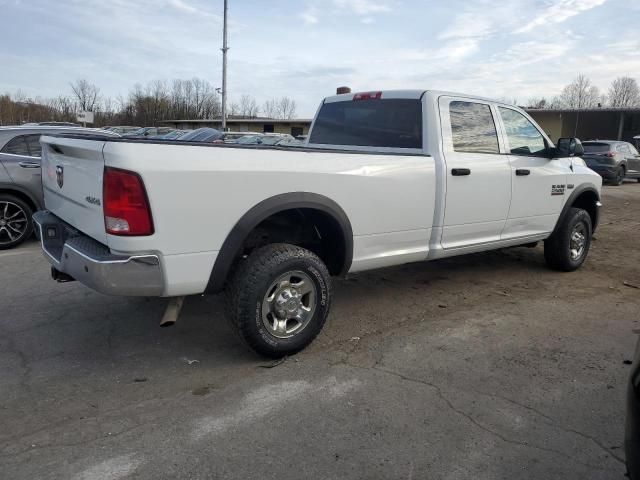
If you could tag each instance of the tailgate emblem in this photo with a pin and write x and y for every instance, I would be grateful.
(60, 175)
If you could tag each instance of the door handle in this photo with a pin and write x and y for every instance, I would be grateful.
(521, 172)
(460, 172)
(29, 164)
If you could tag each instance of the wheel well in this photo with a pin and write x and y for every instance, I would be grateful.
(22, 196)
(587, 201)
(315, 230)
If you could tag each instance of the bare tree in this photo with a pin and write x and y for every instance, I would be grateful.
(624, 92)
(270, 108)
(248, 107)
(86, 94)
(580, 93)
(286, 108)
(538, 103)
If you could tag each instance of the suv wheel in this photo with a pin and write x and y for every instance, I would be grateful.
(278, 299)
(15, 221)
(620, 174)
(567, 248)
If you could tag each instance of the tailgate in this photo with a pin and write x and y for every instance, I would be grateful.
(72, 170)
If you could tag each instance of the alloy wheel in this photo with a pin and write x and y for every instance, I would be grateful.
(289, 304)
(13, 222)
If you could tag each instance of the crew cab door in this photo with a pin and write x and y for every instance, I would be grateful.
(478, 177)
(539, 183)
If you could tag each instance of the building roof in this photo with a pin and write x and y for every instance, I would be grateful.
(585, 110)
(241, 120)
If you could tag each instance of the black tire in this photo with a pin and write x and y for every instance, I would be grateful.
(619, 178)
(558, 247)
(253, 280)
(17, 209)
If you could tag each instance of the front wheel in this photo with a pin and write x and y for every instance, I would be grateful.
(278, 299)
(567, 248)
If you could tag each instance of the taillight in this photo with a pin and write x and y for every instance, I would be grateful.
(125, 203)
(368, 96)
(610, 155)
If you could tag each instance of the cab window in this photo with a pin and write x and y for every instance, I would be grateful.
(472, 127)
(523, 137)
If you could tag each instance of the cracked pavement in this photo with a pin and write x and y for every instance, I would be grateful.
(487, 366)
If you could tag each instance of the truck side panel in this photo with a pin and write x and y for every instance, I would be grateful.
(198, 193)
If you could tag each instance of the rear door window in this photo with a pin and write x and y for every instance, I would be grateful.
(472, 128)
(33, 141)
(17, 146)
(392, 123)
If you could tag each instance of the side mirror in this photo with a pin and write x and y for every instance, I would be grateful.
(569, 147)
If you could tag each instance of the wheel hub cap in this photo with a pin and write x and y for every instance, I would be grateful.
(578, 241)
(289, 304)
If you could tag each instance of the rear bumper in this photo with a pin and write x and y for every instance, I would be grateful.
(607, 172)
(92, 263)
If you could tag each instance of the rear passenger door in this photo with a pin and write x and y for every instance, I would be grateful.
(478, 177)
(539, 183)
(21, 158)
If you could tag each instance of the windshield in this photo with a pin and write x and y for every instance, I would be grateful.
(596, 147)
(395, 123)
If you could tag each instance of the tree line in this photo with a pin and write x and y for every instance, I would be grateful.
(148, 105)
(582, 93)
(195, 99)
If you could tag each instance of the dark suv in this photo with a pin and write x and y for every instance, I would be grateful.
(20, 180)
(613, 160)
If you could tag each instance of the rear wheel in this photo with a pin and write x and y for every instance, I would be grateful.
(278, 299)
(15, 221)
(567, 248)
(619, 178)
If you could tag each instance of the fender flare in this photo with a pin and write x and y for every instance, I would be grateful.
(571, 200)
(263, 210)
(12, 187)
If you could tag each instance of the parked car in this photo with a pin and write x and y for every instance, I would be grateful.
(171, 135)
(149, 132)
(613, 160)
(232, 137)
(122, 130)
(632, 427)
(20, 179)
(388, 178)
(264, 139)
(205, 135)
(50, 124)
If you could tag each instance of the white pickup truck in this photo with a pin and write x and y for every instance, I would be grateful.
(385, 178)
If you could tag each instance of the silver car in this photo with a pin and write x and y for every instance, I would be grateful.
(20, 179)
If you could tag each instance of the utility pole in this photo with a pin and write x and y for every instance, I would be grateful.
(224, 69)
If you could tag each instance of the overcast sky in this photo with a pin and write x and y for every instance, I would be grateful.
(304, 49)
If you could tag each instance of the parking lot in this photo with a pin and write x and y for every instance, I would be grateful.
(483, 366)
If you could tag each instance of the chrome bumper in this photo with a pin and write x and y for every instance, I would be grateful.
(91, 263)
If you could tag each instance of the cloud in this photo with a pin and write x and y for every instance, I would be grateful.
(310, 15)
(558, 11)
(363, 7)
